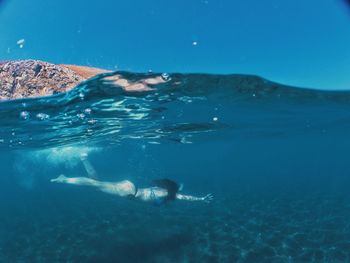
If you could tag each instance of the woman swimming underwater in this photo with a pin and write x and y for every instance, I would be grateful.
(160, 192)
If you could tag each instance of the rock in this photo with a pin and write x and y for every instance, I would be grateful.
(85, 72)
(32, 78)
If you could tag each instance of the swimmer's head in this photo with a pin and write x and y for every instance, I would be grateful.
(169, 185)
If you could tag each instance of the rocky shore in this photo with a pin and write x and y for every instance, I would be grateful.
(31, 78)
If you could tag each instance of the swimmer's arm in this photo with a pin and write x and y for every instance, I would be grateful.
(206, 198)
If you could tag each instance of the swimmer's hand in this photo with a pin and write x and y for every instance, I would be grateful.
(208, 198)
(83, 156)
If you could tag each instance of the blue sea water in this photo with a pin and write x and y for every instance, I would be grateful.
(275, 157)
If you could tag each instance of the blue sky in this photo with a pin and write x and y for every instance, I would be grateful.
(302, 42)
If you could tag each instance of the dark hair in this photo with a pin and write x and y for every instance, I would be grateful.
(169, 185)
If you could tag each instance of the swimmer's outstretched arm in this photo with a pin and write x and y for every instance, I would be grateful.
(206, 198)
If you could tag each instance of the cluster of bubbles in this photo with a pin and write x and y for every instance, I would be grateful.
(25, 115)
(43, 116)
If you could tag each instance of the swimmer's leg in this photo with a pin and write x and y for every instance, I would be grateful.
(77, 181)
(122, 188)
(90, 170)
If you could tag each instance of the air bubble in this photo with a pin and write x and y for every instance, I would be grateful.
(92, 121)
(165, 76)
(87, 111)
(81, 115)
(24, 115)
(42, 116)
(20, 43)
(215, 119)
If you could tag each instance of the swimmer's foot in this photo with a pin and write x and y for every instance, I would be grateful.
(83, 156)
(60, 179)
